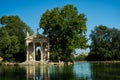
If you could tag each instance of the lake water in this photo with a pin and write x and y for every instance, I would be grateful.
(77, 71)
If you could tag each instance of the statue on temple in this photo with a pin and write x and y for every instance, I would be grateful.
(28, 34)
(37, 30)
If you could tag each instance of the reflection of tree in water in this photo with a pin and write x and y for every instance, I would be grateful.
(105, 71)
(62, 72)
(12, 73)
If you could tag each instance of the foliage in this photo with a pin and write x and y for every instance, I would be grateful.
(80, 57)
(105, 44)
(12, 38)
(53, 57)
(65, 29)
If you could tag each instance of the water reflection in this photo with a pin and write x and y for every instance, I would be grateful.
(105, 71)
(12, 73)
(83, 70)
(30, 70)
(62, 72)
(44, 71)
(38, 72)
(77, 71)
(50, 72)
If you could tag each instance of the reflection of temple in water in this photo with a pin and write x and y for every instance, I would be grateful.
(41, 72)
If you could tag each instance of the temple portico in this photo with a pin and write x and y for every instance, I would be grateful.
(34, 41)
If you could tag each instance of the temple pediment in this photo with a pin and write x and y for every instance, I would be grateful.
(36, 38)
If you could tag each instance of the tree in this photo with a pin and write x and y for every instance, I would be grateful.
(14, 33)
(115, 45)
(80, 57)
(105, 43)
(65, 29)
(9, 45)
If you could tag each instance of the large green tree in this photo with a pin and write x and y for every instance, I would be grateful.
(65, 29)
(105, 43)
(9, 45)
(12, 34)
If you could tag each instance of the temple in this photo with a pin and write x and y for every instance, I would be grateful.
(33, 52)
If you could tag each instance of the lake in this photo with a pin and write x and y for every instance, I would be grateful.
(77, 71)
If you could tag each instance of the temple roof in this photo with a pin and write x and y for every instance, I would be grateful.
(36, 37)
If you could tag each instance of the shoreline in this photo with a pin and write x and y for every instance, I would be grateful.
(117, 61)
(104, 61)
(30, 63)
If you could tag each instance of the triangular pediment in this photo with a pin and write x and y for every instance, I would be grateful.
(36, 38)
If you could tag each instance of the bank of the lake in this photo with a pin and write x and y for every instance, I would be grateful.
(26, 63)
(52, 63)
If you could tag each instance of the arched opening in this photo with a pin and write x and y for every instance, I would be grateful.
(38, 53)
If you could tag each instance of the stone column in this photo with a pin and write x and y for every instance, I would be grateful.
(48, 53)
(33, 51)
(41, 51)
(48, 56)
(27, 51)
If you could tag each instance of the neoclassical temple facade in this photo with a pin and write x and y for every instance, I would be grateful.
(35, 54)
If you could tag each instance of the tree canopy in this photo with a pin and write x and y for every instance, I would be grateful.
(105, 43)
(12, 38)
(66, 30)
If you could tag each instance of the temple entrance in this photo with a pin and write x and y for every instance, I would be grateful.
(37, 54)
(37, 48)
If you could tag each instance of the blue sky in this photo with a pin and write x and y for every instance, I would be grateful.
(105, 12)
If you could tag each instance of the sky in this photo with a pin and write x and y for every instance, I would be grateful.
(98, 12)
